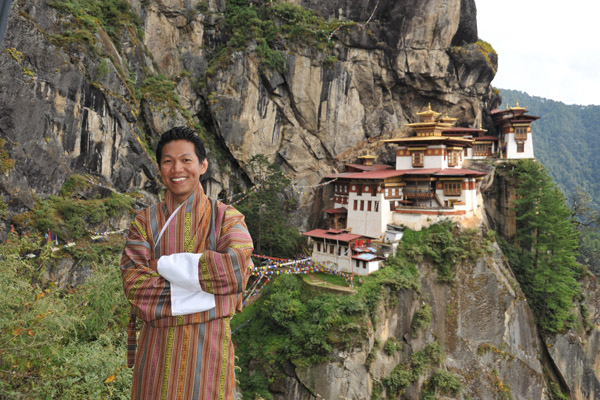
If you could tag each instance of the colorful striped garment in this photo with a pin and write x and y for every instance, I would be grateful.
(184, 350)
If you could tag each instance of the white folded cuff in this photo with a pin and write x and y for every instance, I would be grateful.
(181, 269)
(185, 302)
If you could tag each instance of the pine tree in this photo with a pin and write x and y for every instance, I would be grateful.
(268, 210)
(547, 242)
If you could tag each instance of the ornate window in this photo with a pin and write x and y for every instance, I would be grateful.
(520, 146)
(482, 149)
(418, 158)
(521, 133)
(453, 157)
(452, 188)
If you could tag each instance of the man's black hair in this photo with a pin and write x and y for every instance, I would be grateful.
(181, 133)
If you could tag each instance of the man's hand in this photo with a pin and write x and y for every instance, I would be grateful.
(153, 264)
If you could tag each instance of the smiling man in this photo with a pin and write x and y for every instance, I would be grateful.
(185, 265)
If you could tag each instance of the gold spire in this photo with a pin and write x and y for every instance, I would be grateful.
(429, 115)
(517, 107)
(367, 158)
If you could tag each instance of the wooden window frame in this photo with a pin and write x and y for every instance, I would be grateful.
(418, 158)
(453, 158)
(453, 188)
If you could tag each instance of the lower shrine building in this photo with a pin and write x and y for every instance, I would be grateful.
(429, 182)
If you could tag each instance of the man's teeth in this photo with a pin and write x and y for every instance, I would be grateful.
(178, 179)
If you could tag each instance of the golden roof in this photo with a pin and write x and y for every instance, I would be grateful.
(428, 112)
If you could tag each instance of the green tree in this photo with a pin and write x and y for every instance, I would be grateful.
(587, 220)
(546, 241)
(268, 210)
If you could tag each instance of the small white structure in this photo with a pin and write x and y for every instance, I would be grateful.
(342, 251)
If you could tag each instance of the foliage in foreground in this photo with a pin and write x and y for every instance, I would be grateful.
(60, 343)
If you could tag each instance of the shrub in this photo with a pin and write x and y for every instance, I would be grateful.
(421, 319)
(391, 346)
(445, 383)
(60, 343)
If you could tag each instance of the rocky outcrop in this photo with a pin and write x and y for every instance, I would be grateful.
(575, 354)
(310, 119)
(482, 321)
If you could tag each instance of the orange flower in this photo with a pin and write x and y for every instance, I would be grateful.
(110, 379)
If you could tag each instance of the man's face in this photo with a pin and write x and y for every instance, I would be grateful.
(180, 168)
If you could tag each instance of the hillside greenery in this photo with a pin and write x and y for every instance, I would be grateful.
(275, 27)
(566, 140)
(294, 321)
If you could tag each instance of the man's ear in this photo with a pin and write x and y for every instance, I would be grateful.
(203, 166)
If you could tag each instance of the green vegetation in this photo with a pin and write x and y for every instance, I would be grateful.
(72, 215)
(6, 163)
(391, 346)
(445, 246)
(268, 210)
(66, 343)
(71, 218)
(161, 90)
(488, 52)
(442, 382)
(543, 254)
(406, 373)
(114, 16)
(421, 319)
(291, 322)
(276, 27)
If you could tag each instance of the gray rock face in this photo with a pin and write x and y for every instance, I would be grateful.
(56, 121)
(575, 354)
(311, 120)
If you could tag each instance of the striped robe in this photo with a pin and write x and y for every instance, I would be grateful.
(185, 354)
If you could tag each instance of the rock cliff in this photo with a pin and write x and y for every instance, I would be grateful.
(77, 100)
